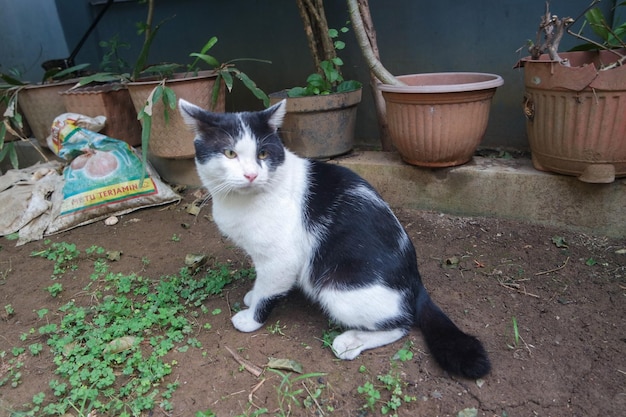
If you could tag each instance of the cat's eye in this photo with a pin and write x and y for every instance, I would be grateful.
(230, 154)
(263, 155)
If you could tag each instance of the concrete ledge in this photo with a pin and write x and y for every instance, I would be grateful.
(509, 189)
(489, 187)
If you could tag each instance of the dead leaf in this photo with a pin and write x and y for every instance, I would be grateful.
(193, 209)
(114, 255)
(451, 262)
(195, 260)
(285, 364)
(120, 344)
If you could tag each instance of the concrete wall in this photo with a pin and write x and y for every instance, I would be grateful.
(30, 33)
(414, 36)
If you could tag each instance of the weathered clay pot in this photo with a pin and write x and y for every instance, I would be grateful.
(439, 119)
(41, 103)
(319, 126)
(576, 115)
(172, 138)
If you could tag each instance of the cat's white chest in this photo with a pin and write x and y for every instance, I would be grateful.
(255, 221)
(268, 224)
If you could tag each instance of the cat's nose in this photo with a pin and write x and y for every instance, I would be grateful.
(251, 176)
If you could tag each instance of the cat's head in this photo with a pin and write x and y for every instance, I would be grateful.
(236, 152)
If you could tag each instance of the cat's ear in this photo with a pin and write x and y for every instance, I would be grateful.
(276, 114)
(190, 112)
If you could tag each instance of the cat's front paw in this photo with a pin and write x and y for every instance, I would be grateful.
(347, 346)
(244, 321)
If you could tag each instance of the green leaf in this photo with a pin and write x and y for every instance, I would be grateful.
(10, 80)
(169, 97)
(215, 93)
(208, 45)
(100, 77)
(210, 60)
(598, 23)
(251, 85)
(339, 45)
(70, 70)
(333, 33)
(350, 85)
(296, 92)
(146, 128)
(228, 80)
(162, 70)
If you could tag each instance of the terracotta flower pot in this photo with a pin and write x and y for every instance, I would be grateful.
(41, 103)
(439, 119)
(319, 126)
(576, 116)
(111, 100)
(173, 138)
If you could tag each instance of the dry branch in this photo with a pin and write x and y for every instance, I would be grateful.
(249, 366)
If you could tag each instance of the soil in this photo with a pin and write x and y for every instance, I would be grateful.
(565, 290)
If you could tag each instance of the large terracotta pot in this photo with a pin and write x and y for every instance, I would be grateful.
(439, 119)
(111, 100)
(319, 126)
(173, 138)
(41, 103)
(576, 115)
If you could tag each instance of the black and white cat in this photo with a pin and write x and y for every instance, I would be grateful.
(321, 228)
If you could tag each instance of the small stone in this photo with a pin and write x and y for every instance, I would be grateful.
(110, 221)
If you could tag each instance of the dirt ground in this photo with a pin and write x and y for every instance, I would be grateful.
(565, 291)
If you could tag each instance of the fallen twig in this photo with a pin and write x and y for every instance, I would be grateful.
(248, 366)
(554, 269)
(319, 408)
(254, 389)
(516, 287)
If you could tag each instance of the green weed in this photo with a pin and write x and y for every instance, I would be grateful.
(63, 255)
(386, 393)
(290, 393)
(110, 356)
(328, 336)
(276, 328)
(516, 336)
(9, 310)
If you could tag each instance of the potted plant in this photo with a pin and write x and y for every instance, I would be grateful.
(321, 116)
(575, 101)
(433, 120)
(154, 91)
(40, 102)
(105, 93)
(23, 105)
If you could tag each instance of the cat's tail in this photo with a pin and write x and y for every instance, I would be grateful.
(455, 351)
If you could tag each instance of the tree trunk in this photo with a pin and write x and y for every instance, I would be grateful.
(374, 64)
(316, 30)
(366, 35)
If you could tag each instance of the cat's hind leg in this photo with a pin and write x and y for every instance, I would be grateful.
(351, 343)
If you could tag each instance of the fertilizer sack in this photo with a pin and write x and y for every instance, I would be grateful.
(104, 176)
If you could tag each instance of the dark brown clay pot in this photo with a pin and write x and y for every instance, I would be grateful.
(576, 116)
(319, 126)
(439, 119)
(111, 100)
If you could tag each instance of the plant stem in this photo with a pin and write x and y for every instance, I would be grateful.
(374, 64)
